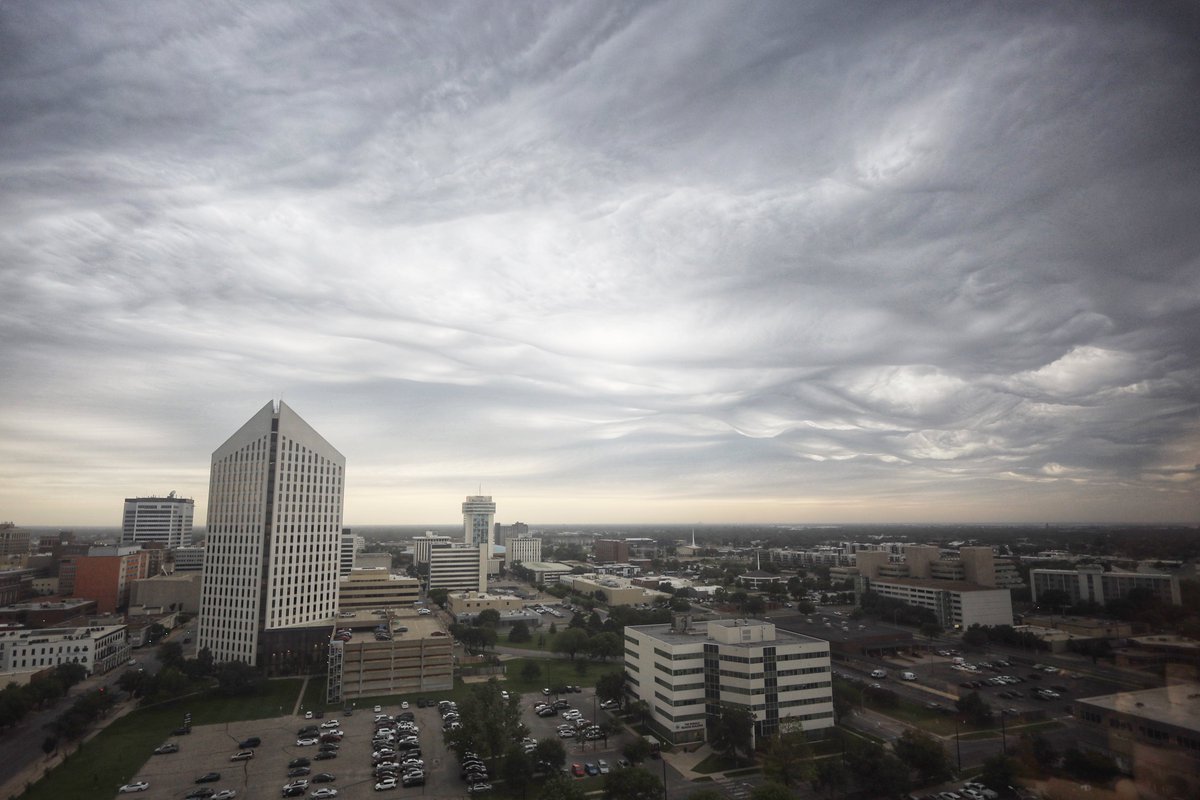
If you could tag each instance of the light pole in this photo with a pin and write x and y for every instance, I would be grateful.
(958, 747)
(1003, 732)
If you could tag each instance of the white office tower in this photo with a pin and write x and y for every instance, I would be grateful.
(351, 546)
(524, 548)
(478, 514)
(164, 520)
(270, 582)
(459, 568)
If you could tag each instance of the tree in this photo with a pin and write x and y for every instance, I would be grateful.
(922, 752)
(611, 687)
(49, 745)
(788, 758)
(550, 755)
(489, 722)
(70, 673)
(771, 791)
(931, 630)
(530, 671)
(830, 777)
(636, 750)
(570, 641)
(132, 681)
(876, 771)
(561, 787)
(605, 646)
(999, 772)
(975, 709)
(632, 784)
(553, 628)
(236, 679)
(732, 732)
(170, 654)
(755, 605)
(707, 794)
(488, 618)
(519, 633)
(517, 769)
(439, 596)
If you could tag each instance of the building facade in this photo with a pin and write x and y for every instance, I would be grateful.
(270, 582)
(14, 541)
(423, 545)
(418, 657)
(462, 568)
(524, 548)
(98, 648)
(372, 589)
(187, 559)
(957, 604)
(166, 521)
(479, 515)
(605, 551)
(503, 533)
(686, 675)
(1093, 585)
(105, 574)
(351, 546)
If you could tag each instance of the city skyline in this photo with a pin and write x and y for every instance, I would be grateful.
(608, 262)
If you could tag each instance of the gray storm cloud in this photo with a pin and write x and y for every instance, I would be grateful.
(778, 261)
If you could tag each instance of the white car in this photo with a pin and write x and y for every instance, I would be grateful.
(386, 783)
(136, 786)
(403, 704)
(377, 710)
(424, 612)
(603, 765)
(321, 794)
(308, 715)
(224, 794)
(333, 723)
(307, 741)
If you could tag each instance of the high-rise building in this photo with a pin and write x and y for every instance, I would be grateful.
(479, 513)
(351, 546)
(610, 551)
(506, 532)
(422, 545)
(165, 520)
(524, 548)
(14, 541)
(460, 568)
(270, 587)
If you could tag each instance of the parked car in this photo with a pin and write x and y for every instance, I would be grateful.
(163, 749)
(136, 786)
(323, 777)
(246, 744)
(209, 777)
(242, 755)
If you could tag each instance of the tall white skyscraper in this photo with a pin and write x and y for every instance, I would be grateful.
(165, 520)
(270, 582)
(478, 514)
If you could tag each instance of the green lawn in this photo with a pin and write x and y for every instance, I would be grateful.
(118, 752)
(555, 672)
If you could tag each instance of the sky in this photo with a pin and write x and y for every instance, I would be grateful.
(692, 262)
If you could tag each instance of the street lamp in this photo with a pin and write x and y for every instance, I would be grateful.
(958, 747)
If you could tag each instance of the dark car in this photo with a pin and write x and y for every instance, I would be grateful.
(323, 777)
(324, 755)
(199, 794)
(299, 762)
(327, 747)
(209, 777)
(293, 791)
(253, 741)
(298, 772)
(184, 731)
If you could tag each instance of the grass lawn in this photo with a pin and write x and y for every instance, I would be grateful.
(119, 751)
(555, 672)
(531, 645)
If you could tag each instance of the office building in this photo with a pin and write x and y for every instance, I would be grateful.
(422, 545)
(607, 551)
(180, 592)
(376, 589)
(187, 559)
(1091, 584)
(166, 521)
(479, 514)
(105, 574)
(14, 541)
(687, 674)
(523, 548)
(1153, 735)
(351, 546)
(98, 648)
(270, 581)
(505, 532)
(957, 604)
(459, 568)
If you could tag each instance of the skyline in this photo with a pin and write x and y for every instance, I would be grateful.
(686, 263)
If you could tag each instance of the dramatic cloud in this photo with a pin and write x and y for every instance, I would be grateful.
(611, 261)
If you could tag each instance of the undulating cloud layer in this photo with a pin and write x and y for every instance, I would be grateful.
(790, 261)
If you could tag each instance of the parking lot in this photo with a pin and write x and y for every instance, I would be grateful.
(209, 749)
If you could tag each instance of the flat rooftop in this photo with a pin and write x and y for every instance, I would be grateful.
(699, 633)
(1177, 705)
(857, 629)
(930, 583)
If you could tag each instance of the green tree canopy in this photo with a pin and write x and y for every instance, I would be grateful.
(611, 686)
(488, 618)
(632, 784)
(787, 759)
(923, 753)
(570, 641)
(519, 632)
(771, 791)
(732, 732)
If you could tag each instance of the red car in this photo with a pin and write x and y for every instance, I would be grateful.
(577, 770)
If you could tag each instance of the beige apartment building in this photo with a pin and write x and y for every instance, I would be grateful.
(375, 588)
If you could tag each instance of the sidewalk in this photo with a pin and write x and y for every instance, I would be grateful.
(685, 763)
(33, 772)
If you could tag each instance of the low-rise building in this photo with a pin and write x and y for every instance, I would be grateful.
(47, 613)
(99, 648)
(413, 653)
(686, 675)
(187, 559)
(957, 604)
(1153, 735)
(462, 568)
(612, 590)
(547, 572)
(1091, 584)
(471, 603)
(180, 591)
(366, 589)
